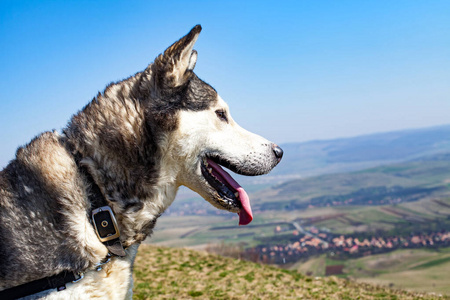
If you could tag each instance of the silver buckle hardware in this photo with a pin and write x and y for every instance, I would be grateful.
(99, 266)
(78, 277)
(105, 224)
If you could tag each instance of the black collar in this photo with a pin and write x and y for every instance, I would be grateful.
(102, 216)
(57, 282)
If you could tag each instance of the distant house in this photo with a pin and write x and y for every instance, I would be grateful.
(334, 270)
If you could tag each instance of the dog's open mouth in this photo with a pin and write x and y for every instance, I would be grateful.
(227, 188)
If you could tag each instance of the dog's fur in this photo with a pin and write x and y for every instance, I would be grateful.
(140, 140)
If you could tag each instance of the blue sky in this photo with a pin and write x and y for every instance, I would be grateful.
(290, 70)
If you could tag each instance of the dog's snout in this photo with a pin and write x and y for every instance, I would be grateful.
(278, 151)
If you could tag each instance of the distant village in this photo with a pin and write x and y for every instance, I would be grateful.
(340, 246)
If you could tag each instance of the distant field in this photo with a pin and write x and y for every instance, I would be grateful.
(200, 231)
(419, 270)
(416, 270)
(388, 217)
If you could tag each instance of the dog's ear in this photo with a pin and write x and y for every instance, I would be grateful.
(174, 67)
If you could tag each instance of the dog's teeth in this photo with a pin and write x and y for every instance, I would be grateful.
(210, 170)
(236, 194)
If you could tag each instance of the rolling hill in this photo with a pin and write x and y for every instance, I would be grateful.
(350, 154)
(168, 273)
(412, 269)
(393, 183)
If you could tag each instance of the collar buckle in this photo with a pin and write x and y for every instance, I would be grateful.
(105, 224)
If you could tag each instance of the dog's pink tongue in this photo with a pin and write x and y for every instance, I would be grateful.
(245, 215)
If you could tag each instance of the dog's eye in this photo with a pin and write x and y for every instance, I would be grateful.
(222, 115)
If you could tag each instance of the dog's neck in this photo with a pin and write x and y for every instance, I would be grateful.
(137, 226)
(124, 157)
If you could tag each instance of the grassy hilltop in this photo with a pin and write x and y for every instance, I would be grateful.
(167, 273)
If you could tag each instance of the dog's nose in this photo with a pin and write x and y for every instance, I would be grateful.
(278, 151)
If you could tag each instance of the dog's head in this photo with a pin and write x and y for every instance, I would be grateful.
(202, 134)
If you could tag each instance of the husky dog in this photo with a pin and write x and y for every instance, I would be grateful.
(127, 152)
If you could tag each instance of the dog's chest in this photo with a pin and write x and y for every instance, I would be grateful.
(113, 281)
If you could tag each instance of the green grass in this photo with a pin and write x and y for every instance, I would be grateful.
(412, 269)
(432, 263)
(167, 273)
